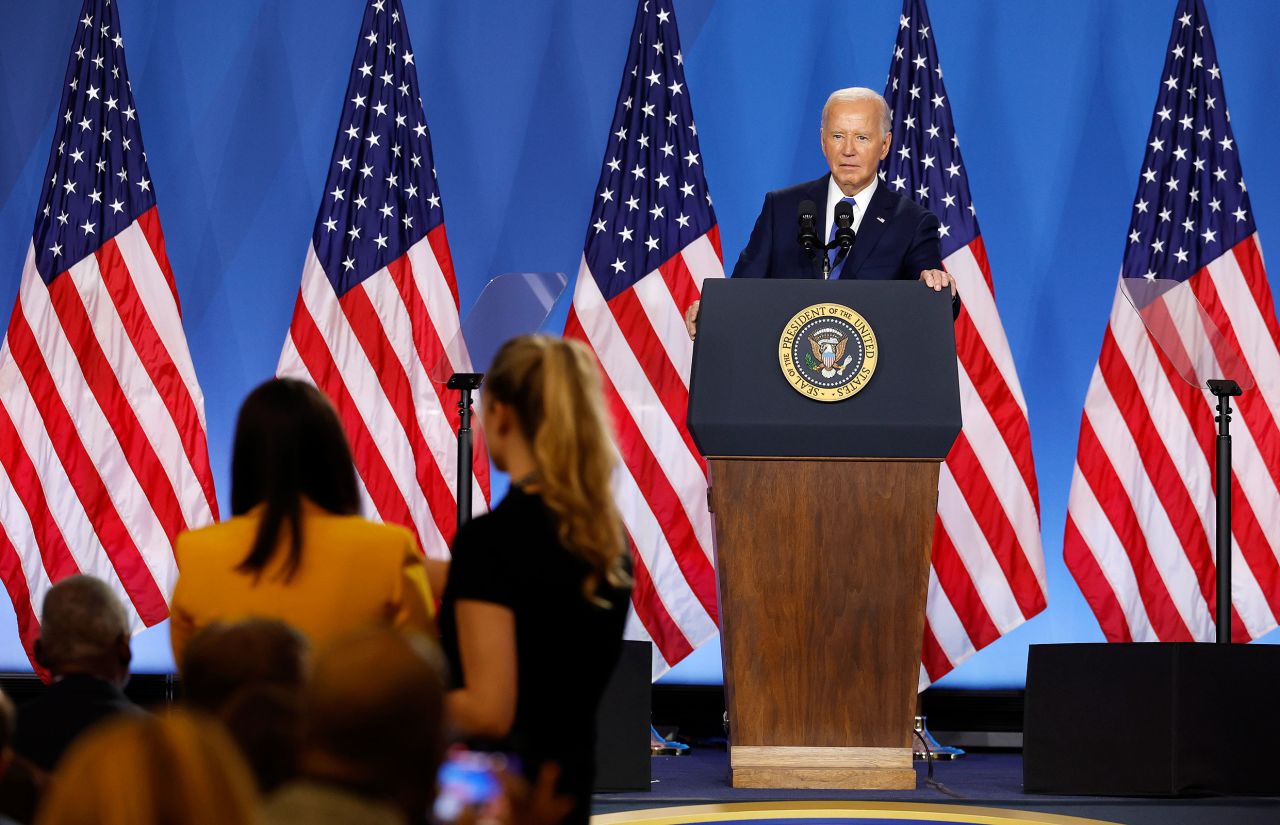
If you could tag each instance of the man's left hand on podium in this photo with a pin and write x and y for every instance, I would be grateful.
(938, 280)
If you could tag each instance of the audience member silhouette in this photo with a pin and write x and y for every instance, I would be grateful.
(84, 644)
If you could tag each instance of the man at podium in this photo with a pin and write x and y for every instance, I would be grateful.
(889, 237)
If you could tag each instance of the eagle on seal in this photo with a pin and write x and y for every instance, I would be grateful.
(828, 352)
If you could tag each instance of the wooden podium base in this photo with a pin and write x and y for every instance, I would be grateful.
(823, 567)
(822, 768)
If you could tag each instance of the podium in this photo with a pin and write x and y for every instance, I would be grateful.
(824, 513)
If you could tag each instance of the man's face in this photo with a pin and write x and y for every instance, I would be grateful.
(853, 143)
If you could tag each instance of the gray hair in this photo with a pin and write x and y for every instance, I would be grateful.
(861, 93)
(81, 618)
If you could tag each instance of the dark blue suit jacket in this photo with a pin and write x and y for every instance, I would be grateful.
(897, 238)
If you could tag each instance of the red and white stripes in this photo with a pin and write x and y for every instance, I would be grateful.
(988, 572)
(1140, 524)
(379, 352)
(102, 435)
(661, 486)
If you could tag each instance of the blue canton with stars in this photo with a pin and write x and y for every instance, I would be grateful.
(924, 163)
(1191, 205)
(381, 195)
(97, 182)
(652, 199)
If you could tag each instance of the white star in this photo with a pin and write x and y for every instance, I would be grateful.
(1172, 183)
(361, 202)
(62, 218)
(943, 231)
(353, 132)
(927, 160)
(1156, 145)
(1181, 255)
(345, 163)
(619, 265)
(1180, 153)
(662, 180)
(633, 203)
(638, 171)
(652, 243)
(338, 194)
(672, 118)
(923, 191)
(1165, 214)
(687, 189)
(1191, 91)
(407, 220)
(411, 190)
(909, 121)
(937, 100)
(77, 155)
(380, 108)
(607, 195)
(420, 130)
(1149, 175)
(358, 100)
(933, 131)
(354, 233)
(95, 196)
(1188, 225)
(626, 233)
(372, 37)
(331, 224)
(386, 210)
(404, 90)
(1240, 214)
(1178, 52)
(953, 169)
(654, 78)
(1220, 173)
(1157, 245)
(366, 70)
(599, 225)
(1164, 113)
(381, 241)
(1210, 101)
(416, 161)
(657, 47)
(683, 220)
(915, 92)
(656, 211)
(647, 109)
(904, 21)
(621, 134)
(366, 170)
(1185, 19)
(1172, 83)
(434, 200)
(128, 113)
(1187, 122)
(919, 61)
(663, 15)
(85, 124)
(1204, 133)
(924, 32)
(123, 175)
(408, 58)
(1226, 143)
(667, 150)
(87, 227)
(1134, 237)
(1150, 275)
(614, 165)
(676, 88)
(56, 249)
(70, 186)
(126, 142)
(691, 158)
(1141, 206)
(88, 22)
(391, 47)
(905, 152)
(949, 200)
(1209, 236)
(899, 182)
(1215, 72)
(391, 181)
(372, 140)
(349, 263)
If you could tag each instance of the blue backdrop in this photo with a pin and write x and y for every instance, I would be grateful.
(239, 101)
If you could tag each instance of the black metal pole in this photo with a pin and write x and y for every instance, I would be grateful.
(464, 458)
(1224, 390)
(466, 383)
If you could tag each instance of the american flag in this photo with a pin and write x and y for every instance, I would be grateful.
(1140, 522)
(103, 459)
(652, 241)
(379, 302)
(988, 572)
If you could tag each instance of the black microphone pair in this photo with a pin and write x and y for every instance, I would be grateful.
(808, 234)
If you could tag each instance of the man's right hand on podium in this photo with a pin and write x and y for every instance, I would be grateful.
(691, 319)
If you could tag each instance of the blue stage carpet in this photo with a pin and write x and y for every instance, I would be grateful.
(987, 780)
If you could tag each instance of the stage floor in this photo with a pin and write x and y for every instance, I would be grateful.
(989, 780)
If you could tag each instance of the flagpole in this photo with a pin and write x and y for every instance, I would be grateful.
(1225, 390)
(467, 383)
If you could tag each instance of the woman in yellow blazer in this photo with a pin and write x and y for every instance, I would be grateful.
(295, 548)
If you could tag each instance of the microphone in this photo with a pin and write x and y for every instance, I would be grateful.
(808, 235)
(844, 227)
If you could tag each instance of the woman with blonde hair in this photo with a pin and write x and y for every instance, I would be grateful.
(533, 613)
(151, 770)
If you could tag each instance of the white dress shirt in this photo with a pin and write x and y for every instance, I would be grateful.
(861, 201)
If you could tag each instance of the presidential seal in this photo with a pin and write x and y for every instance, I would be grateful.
(827, 352)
